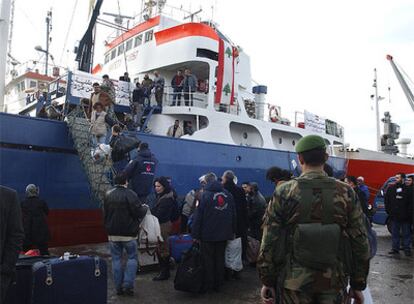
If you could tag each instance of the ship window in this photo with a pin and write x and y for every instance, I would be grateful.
(128, 45)
(120, 49)
(148, 35)
(293, 143)
(107, 57)
(32, 84)
(280, 140)
(138, 40)
(113, 54)
(244, 135)
(21, 86)
(205, 53)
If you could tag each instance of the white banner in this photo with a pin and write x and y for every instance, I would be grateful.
(314, 123)
(81, 86)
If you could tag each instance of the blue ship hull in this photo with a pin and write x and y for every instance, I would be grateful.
(40, 151)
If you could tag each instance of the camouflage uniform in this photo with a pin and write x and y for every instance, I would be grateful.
(302, 284)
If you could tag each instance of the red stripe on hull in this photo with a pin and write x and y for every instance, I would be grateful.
(74, 227)
(376, 173)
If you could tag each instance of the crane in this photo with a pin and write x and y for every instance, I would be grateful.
(84, 54)
(402, 77)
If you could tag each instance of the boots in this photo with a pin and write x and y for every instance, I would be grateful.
(165, 269)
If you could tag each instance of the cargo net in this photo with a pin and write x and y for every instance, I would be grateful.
(97, 172)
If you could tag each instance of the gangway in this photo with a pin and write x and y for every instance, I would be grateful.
(96, 172)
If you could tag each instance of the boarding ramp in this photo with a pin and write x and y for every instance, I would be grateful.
(96, 172)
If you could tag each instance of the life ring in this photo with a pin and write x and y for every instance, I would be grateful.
(273, 114)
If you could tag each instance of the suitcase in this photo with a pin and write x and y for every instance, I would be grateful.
(179, 244)
(44, 280)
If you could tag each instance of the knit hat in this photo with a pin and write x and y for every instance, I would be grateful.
(32, 190)
(310, 142)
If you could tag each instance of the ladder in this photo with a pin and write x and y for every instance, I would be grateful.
(97, 173)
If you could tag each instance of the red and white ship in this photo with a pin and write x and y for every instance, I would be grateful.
(376, 167)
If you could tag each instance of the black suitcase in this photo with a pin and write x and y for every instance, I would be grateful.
(41, 280)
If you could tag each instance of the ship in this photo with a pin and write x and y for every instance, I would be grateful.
(234, 127)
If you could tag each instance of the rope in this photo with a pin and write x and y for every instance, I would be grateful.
(67, 33)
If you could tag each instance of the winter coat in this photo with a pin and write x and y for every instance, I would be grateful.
(241, 207)
(34, 213)
(215, 217)
(98, 125)
(140, 172)
(164, 207)
(178, 133)
(177, 82)
(362, 200)
(116, 155)
(398, 202)
(256, 210)
(11, 232)
(123, 212)
(365, 190)
(189, 203)
(190, 83)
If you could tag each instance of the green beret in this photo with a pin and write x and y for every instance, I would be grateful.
(310, 142)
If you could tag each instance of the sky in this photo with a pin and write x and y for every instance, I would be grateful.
(316, 55)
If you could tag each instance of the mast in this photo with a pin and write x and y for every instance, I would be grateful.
(377, 117)
(4, 37)
(48, 29)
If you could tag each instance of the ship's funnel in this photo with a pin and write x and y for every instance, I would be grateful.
(403, 145)
(260, 92)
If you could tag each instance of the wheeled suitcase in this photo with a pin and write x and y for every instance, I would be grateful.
(179, 244)
(44, 280)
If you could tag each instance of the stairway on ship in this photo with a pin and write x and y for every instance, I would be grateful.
(97, 172)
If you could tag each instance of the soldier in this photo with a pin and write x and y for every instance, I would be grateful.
(312, 228)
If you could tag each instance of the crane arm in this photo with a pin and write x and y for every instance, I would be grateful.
(85, 49)
(407, 91)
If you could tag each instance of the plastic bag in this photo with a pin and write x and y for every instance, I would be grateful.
(233, 255)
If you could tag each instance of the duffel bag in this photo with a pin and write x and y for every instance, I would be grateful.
(189, 275)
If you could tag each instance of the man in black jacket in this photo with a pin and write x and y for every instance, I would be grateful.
(241, 209)
(398, 204)
(214, 224)
(119, 158)
(123, 213)
(140, 172)
(11, 237)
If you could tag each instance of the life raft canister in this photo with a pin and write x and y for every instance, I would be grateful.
(273, 114)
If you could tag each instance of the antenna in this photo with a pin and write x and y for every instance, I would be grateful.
(191, 15)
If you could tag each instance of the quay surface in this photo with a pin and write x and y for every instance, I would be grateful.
(391, 280)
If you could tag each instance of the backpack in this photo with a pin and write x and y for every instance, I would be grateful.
(316, 245)
(125, 144)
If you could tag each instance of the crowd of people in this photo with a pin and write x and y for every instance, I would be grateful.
(298, 229)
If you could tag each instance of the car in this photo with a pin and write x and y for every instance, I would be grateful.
(381, 217)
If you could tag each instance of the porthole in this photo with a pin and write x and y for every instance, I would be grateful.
(293, 142)
(245, 135)
(238, 158)
(280, 140)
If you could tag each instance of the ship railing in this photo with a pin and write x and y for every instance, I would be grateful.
(171, 98)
